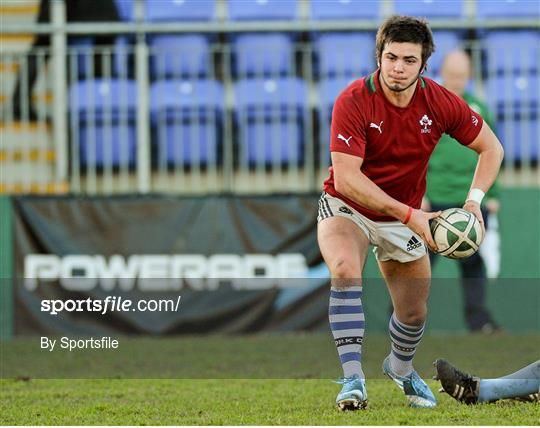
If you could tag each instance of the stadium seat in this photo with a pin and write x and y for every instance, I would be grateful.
(186, 55)
(262, 55)
(241, 10)
(345, 54)
(124, 57)
(180, 10)
(102, 119)
(329, 90)
(430, 8)
(515, 100)
(270, 118)
(507, 9)
(520, 136)
(445, 42)
(82, 49)
(123, 60)
(512, 51)
(519, 93)
(345, 9)
(126, 9)
(186, 119)
(94, 60)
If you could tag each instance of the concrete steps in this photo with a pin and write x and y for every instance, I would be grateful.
(27, 154)
(28, 160)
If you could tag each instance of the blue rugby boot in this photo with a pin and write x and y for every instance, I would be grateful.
(415, 389)
(353, 395)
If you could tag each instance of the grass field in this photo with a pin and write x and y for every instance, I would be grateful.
(217, 393)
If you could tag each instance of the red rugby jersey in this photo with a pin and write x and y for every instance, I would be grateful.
(396, 142)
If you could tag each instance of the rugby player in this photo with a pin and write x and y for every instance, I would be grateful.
(384, 128)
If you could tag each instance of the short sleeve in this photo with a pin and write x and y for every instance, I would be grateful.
(462, 123)
(480, 107)
(347, 134)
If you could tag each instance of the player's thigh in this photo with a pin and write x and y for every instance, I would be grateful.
(343, 246)
(408, 284)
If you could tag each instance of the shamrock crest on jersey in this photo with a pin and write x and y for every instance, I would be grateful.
(425, 122)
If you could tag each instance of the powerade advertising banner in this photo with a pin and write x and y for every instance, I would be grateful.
(162, 265)
(152, 287)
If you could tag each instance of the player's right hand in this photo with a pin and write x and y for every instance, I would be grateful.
(419, 223)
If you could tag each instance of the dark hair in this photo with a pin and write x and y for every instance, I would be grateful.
(405, 29)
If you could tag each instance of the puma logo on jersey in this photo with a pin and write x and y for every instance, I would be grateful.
(373, 125)
(341, 137)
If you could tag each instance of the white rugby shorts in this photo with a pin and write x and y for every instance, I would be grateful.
(391, 240)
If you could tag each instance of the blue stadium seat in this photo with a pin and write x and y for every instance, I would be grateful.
(512, 51)
(445, 42)
(88, 54)
(345, 9)
(240, 10)
(516, 103)
(187, 119)
(180, 10)
(81, 48)
(520, 136)
(125, 9)
(103, 112)
(430, 8)
(345, 54)
(270, 118)
(124, 57)
(186, 55)
(507, 9)
(329, 89)
(262, 55)
(519, 92)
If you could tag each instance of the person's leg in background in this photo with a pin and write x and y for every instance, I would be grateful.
(473, 284)
(522, 385)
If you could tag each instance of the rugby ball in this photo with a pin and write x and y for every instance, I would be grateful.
(457, 233)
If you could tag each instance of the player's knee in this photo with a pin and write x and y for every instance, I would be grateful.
(413, 316)
(346, 272)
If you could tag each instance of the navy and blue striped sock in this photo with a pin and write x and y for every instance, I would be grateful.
(405, 339)
(346, 316)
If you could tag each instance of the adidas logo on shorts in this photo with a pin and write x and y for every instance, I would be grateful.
(413, 244)
(345, 210)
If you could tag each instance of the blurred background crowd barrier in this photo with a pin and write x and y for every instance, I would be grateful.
(211, 96)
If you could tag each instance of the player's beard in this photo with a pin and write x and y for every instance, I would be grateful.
(397, 88)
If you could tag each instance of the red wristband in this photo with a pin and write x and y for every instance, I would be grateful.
(408, 216)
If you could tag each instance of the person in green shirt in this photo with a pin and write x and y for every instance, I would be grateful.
(450, 173)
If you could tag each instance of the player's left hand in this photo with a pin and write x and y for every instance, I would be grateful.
(474, 207)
